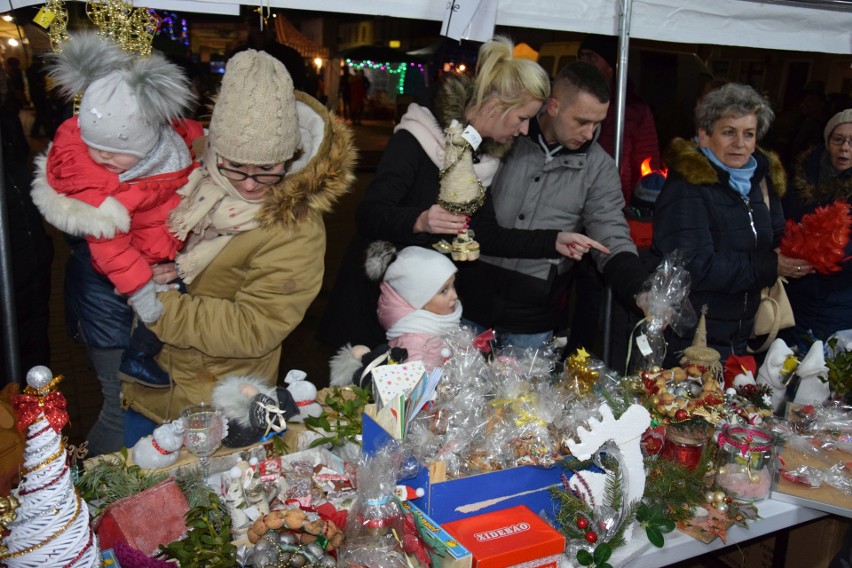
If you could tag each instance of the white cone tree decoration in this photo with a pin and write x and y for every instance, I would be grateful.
(51, 528)
(461, 191)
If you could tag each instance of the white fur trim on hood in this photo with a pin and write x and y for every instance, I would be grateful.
(76, 217)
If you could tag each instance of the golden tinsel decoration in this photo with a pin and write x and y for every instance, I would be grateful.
(579, 378)
(132, 29)
(7, 515)
(54, 18)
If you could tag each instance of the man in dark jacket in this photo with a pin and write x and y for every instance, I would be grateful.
(557, 177)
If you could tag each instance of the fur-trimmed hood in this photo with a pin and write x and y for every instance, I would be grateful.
(324, 172)
(684, 157)
(452, 96)
(806, 179)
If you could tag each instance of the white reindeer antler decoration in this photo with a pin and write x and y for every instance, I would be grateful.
(626, 434)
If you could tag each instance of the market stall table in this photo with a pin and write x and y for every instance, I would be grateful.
(774, 516)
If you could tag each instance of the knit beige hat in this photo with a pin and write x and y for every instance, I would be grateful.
(254, 120)
(841, 117)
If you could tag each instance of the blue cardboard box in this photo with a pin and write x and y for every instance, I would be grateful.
(448, 500)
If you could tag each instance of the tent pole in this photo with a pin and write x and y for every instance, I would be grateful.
(12, 370)
(620, 97)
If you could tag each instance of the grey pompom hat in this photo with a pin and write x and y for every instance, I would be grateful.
(112, 120)
(254, 120)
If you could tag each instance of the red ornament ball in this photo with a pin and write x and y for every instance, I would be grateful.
(681, 414)
(582, 523)
(591, 537)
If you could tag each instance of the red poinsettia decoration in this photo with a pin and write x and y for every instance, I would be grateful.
(820, 237)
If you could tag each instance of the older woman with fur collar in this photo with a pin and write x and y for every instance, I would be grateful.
(721, 207)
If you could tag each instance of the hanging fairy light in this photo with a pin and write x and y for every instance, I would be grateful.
(175, 27)
(397, 69)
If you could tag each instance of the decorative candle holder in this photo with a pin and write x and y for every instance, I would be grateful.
(685, 443)
(745, 462)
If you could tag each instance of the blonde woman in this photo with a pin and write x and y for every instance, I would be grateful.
(400, 204)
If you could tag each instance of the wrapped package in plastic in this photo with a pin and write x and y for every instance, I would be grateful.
(374, 527)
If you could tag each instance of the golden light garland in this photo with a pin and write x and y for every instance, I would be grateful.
(54, 18)
(132, 29)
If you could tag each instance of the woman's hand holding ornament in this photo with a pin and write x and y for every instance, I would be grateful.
(439, 221)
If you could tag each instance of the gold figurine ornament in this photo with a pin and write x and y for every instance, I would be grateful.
(7, 515)
(461, 191)
(131, 28)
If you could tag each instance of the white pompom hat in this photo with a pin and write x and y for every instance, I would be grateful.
(418, 274)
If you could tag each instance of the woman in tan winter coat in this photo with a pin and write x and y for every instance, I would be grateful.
(274, 161)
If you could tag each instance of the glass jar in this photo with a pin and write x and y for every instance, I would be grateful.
(745, 462)
(685, 443)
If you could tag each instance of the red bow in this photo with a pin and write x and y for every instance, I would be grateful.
(483, 341)
(28, 407)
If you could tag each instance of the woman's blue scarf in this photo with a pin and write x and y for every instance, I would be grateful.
(738, 178)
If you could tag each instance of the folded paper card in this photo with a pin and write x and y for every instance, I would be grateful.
(394, 380)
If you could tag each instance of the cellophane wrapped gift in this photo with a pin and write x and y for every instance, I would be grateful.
(490, 413)
(375, 524)
(822, 436)
(666, 297)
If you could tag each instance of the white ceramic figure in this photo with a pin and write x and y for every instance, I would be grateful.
(160, 449)
(770, 373)
(813, 377)
(235, 499)
(304, 393)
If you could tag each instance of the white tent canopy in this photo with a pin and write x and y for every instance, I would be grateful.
(805, 25)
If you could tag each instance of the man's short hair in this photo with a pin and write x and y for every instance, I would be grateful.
(581, 76)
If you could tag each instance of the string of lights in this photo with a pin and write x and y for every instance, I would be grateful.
(175, 27)
(398, 69)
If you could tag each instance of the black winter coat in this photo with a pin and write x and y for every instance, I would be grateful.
(405, 185)
(822, 303)
(728, 241)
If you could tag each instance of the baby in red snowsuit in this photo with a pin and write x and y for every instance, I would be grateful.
(112, 172)
(111, 177)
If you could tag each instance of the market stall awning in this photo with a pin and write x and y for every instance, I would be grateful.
(796, 25)
(287, 34)
(377, 53)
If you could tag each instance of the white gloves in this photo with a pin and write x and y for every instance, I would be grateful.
(145, 303)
